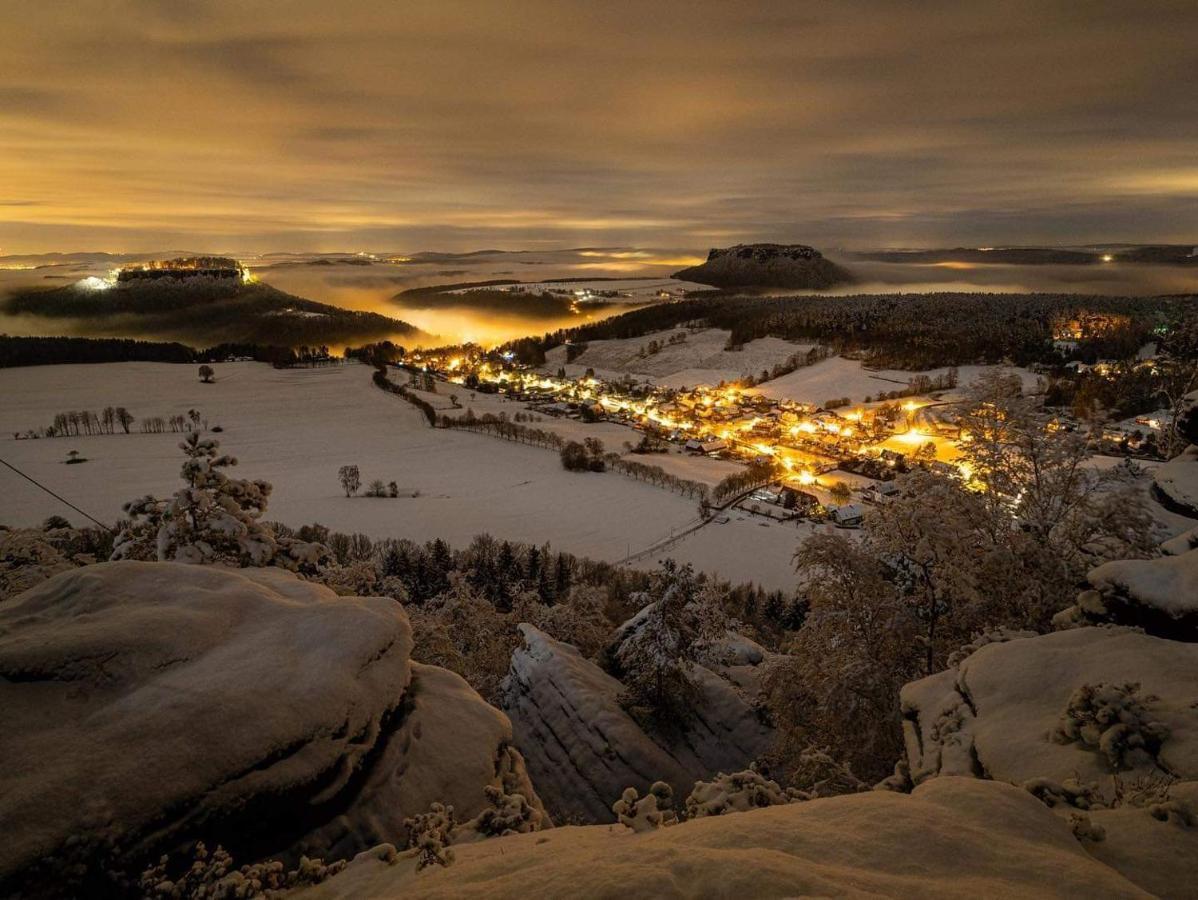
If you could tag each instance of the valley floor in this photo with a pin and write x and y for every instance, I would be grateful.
(295, 428)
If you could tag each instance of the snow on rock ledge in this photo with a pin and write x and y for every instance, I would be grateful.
(1175, 484)
(994, 715)
(953, 837)
(1158, 595)
(150, 704)
(583, 749)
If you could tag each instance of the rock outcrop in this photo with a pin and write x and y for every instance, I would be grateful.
(1104, 716)
(790, 266)
(1159, 595)
(583, 749)
(1175, 484)
(154, 704)
(953, 837)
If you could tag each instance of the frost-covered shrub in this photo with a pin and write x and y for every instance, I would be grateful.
(817, 773)
(507, 814)
(1070, 792)
(430, 834)
(212, 876)
(738, 792)
(653, 811)
(1113, 720)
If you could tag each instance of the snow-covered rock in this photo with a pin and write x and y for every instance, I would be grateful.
(1175, 483)
(1159, 595)
(1006, 712)
(150, 704)
(954, 837)
(583, 749)
(993, 715)
(1182, 543)
(448, 746)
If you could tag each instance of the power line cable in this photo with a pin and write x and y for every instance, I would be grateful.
(57, 497)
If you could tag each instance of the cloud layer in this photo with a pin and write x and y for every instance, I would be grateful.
(297, 124)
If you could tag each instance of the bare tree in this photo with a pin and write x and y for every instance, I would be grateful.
(351, 479)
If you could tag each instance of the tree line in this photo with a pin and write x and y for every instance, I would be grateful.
(910, 331)
(113, 420)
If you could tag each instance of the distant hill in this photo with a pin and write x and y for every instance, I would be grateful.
(489, 297)
(1159, 254)
(789, 266)
(205, 311)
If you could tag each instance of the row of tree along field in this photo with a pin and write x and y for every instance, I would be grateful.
(115, 420)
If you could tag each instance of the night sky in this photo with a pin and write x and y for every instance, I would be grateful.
(329, 125)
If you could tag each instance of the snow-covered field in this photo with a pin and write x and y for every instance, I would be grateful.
(839, 377)
(699, 359)
(294, 428)
(746, 548)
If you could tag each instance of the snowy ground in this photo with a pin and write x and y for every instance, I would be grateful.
(700, 359)
(746, 548)
(839, 377)
(295, 428)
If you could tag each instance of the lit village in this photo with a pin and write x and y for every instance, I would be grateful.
(801, 460)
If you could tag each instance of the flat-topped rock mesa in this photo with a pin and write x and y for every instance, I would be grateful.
(767, 266)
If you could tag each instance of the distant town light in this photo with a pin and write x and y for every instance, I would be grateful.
(1106, 257)
(93, 283)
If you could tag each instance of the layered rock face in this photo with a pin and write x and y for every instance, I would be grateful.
(583, 749)
(794, 266)
(154, 704)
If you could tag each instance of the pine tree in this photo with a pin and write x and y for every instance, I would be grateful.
(213, 518)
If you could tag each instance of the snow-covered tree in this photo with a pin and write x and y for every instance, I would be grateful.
(924, 535)
(657, 649)
(213, 518)
(839, 681)
(1035, 473)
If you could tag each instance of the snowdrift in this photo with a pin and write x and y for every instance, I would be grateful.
(153, 704)
(954, 837)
